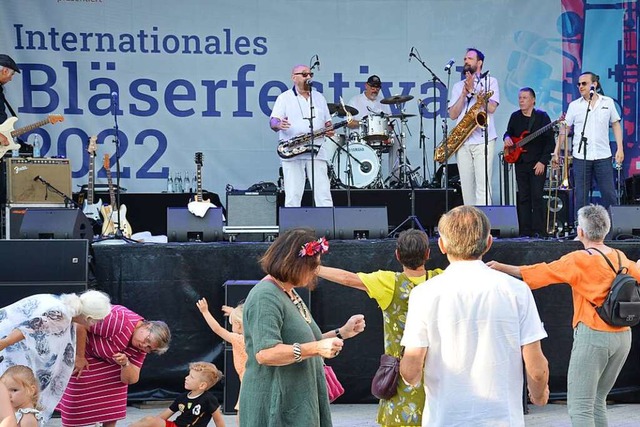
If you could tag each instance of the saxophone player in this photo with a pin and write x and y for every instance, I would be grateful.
(474, 178)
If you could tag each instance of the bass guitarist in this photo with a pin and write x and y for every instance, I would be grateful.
(8, 68)
(530, 166)
(290, 118)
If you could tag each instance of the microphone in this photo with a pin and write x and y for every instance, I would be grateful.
(410, 54)
(483, 75)
(449, 64)
(317, 63)
(37, 178)
(592, 90)
(309, 82)
(114, 98)
(420, 104)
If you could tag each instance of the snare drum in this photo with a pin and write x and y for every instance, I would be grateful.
(365, 165)
(375, 129)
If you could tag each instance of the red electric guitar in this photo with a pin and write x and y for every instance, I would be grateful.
(512, 154)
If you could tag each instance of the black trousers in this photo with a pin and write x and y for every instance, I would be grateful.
(531, 208)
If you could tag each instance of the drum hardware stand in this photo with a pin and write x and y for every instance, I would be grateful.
(411, 218)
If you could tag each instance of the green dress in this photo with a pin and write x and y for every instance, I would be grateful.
(278, 396)
(405, 408)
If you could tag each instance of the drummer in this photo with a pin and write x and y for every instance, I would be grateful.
(368, 103)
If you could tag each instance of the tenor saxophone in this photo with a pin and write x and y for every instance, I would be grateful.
(475, 117)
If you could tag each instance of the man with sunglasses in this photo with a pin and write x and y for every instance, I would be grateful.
(290, 118)
(592, 157)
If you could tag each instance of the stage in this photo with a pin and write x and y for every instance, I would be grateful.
(163, 281)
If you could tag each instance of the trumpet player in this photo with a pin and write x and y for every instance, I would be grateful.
(530, 166)
(475, 178)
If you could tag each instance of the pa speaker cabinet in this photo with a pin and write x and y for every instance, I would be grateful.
(14, 214)
(625, 221)
(183, 226)
(42, 266)
(503, 219)
(361, 222)
(56, 223)
(251, 209)
(319, 219)
(236, 291)
(24, 187)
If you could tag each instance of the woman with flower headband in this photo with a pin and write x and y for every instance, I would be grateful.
(284, 382)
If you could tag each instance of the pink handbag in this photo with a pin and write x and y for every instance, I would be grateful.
(334, 387)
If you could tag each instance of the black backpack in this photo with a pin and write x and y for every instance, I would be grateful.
(621, 307)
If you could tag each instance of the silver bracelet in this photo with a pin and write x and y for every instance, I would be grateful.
(297, 352)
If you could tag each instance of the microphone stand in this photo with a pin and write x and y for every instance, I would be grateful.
(445, 132)
(486, 142)
(68, 201)
(423, 145)
(313, 151)
(583, 140)
(434, 80)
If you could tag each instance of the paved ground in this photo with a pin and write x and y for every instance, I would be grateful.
(553, 415)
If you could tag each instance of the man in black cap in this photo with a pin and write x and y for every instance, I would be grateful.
(8, 68)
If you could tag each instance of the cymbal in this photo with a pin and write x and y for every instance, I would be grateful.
(337, 109)
(396, 99)
(401, 116)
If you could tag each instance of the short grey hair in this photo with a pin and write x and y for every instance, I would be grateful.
(161, 335)
(594, 221)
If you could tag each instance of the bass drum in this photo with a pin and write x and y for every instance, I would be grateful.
(364, 162)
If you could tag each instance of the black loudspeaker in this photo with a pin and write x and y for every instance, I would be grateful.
(60, 223)
(625, 221)
(252, 208)
(183, 226)
(236, 291)
(319, 219)
(42, 266)
(360, 222)
(503, 219)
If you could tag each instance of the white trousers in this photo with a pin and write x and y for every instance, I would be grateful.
(471, 166)
(294, 174)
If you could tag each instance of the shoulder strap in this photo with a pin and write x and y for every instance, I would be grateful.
(607, 259)
(531, 120)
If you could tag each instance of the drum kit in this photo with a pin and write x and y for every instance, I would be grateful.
(356, 162)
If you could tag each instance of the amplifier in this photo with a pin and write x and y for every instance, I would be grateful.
(23, 188)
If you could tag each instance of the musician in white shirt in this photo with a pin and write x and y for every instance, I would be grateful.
(290, 118)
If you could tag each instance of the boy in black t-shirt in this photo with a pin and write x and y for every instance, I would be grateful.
(197, 406)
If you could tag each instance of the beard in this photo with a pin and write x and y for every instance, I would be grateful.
(470, 68)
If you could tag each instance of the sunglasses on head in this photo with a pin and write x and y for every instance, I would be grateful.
(305, 74)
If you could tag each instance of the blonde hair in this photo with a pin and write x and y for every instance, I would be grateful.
(92, 304)
(24, 376)
(236, 314)
(208, 372)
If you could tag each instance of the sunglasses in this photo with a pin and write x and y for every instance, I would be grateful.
(583, 84)
(305, 74)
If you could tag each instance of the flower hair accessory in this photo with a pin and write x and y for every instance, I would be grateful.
(315, 247)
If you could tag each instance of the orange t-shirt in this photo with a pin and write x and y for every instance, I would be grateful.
(590, 278)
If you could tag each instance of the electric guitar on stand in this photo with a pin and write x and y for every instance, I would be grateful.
(197, 206)
(110, 211)
(90, 209)
(7, 130)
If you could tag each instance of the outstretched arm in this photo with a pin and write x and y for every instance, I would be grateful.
(212, 322)
(342, 277)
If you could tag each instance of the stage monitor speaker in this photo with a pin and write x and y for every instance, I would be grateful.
(236, 292)
(361, 222)
(183, 226)
(625, 221)
(252, 209)
(22, 186)
(318, 219)
(42, 266)
(503, 219)
(57, 223)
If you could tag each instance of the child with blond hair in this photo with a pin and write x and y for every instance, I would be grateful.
(235, 337)
(197, 406)
(24, 392)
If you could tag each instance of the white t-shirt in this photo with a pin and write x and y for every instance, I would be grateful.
(296, 109)
(361, 102)
(477, 137)
(473, 320)
(597, 131)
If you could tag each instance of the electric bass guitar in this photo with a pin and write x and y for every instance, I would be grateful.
(90, 209)
(110, 211)
(197, 206)
(7, 130)
(303, 143)
(513, 153)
